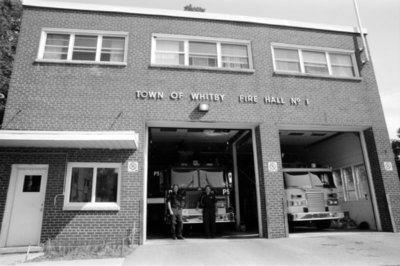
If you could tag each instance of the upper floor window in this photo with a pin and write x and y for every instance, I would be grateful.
(60, 45)
(201, 52)
(314, 61)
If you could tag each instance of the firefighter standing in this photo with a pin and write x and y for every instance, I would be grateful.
(208, 202)
(175, 203)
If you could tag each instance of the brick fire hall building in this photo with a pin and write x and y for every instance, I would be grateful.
(107, 103)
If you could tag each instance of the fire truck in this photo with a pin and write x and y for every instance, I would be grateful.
(311, 196)
(192, 180)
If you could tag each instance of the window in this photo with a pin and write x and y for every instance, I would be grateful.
(60, 45)
(92, 186)
(313, 61)
(200, 52)
(234, 56)
(353, 182)
(362, 181)
(203, 54)
(350, 186)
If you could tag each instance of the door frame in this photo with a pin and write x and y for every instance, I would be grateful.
(191, 124)
(15, 169)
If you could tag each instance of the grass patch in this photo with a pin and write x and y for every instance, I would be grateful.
(54, 250)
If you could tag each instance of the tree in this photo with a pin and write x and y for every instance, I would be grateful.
(194, 8)
(396, 151)
(10, 20)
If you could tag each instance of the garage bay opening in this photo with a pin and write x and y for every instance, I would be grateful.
(327, 185)
(193, 158)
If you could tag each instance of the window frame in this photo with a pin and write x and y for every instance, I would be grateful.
(186, 39)
(91, 206)
(72, 33)
(327, 51)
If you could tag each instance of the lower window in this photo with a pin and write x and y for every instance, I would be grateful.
(92, 186)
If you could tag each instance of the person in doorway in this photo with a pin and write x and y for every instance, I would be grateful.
(208, 203)
(176, 201)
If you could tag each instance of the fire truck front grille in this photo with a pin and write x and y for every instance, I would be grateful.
(315, 202)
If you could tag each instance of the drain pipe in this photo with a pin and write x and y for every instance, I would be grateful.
(361, 30)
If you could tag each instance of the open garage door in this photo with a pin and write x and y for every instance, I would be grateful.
(326, 181)
(193, 158)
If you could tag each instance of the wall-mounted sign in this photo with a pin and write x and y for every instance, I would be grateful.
(272, 166)
(133, 167)
(388, 166)
(217, 97)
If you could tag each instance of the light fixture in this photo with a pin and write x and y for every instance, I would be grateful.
(203, 107)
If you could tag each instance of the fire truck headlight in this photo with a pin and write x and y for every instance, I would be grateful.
(333, 202)
(297, 203)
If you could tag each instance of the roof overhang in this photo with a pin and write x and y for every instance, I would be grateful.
(70, 139)
(186, 14)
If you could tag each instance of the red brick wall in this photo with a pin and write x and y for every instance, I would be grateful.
(75, 226)
(46, 96)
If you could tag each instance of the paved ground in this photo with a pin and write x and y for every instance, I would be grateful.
(366, 248)
(337, 248)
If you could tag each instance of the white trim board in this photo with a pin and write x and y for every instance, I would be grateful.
(69, 139)
(185, 14)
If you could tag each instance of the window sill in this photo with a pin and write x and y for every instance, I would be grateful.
(77, 62)
(91, 207)
(233, 70)
(293, 74)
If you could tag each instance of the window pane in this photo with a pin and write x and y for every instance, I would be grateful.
(315, 63)
(202, 54)
(85, 48)
(107, 185)
(350, 186)
(202, 61)
(288, 66)
(170, 59)
(337, 179)
(342, 71)
(169, 46)
(341, 59)
(113, 49)
(170, 52)
(203, 48)
(362, 178)
(32, 183)
(234, 56)
(81, 184)
(56, 46)
(287, 54)
(314, 57)
(342, 65)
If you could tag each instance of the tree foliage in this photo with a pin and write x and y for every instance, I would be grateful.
(194, 8)
(10, 20)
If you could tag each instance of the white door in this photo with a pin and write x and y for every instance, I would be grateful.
(27, 208)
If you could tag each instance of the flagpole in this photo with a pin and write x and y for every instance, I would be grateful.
(361, 30)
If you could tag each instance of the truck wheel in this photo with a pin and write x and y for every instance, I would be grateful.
(323, 224)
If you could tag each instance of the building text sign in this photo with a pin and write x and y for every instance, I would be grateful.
(218, 97)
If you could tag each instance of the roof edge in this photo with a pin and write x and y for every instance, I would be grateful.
(186, 14)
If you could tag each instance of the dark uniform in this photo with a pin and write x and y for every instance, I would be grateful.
(177, 201)
(207, 202)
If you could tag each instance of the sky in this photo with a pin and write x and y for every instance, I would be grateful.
(380, 17)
